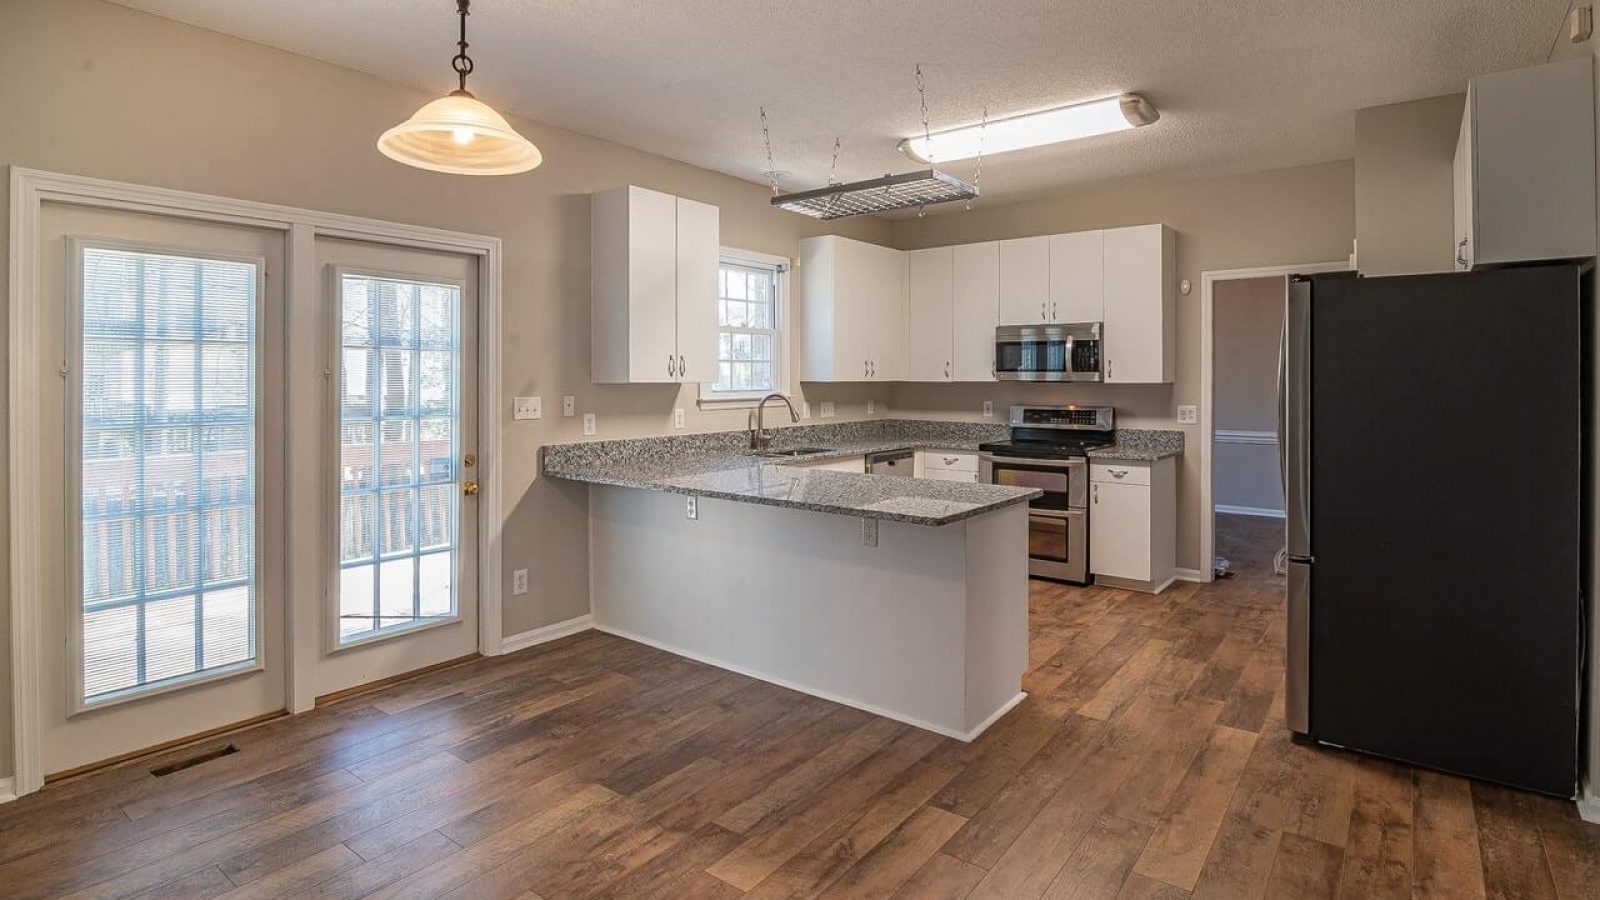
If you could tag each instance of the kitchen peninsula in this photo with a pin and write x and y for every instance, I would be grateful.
(906, 597)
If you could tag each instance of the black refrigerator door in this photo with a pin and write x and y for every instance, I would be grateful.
(1445, 492)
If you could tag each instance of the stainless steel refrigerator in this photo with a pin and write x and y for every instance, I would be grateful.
(1432, 438)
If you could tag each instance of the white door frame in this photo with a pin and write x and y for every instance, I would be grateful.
(30, 364)
(1208, 281)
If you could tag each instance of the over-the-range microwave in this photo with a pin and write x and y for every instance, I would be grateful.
(1048, 352)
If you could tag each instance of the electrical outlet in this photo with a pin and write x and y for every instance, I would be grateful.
(827, 409)
(677, 418)
(527, 408)
(692, 508)
(869, 532)
(805, 409)
(1188, 414)
(988, 409)
(519, 581)
(569, 406)
(872, 407)
(588, 424)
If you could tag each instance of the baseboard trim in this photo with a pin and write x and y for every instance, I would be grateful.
(1194, 575)
(1260, 512)
(1589, 806)
(1129, 584)
(534, 637)
(8, 790)
(966, 737)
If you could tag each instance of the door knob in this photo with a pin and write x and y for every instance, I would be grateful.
(470, 488)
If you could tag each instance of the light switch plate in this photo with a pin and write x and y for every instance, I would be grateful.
(519, 581)
(988, 409)
(677, 418)
(872, 407)
(827, 409)
(527, 408)
(869, 532)
(692, 508)
(805, 409)
(569, 406)
(588, 424)
(1188, 414)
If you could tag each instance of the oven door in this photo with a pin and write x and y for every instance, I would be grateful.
(1065, 482)
(1058, 546)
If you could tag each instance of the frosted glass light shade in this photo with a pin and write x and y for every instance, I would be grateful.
(459, 134)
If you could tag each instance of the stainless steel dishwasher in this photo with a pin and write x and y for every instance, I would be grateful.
(892, 462)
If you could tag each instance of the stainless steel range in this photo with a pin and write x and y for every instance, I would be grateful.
(1048, 450)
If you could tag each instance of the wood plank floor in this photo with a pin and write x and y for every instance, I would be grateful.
(1150, 761)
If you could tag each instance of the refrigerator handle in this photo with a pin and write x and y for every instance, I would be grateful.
(1294, 445)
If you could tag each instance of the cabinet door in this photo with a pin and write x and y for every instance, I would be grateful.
(853, 291)
(1119, 530)
(1462, 171)
(1077, 277)
(1139, 326)
(652, 286)
(886, 328)
(699, 251)
(975, 272)
(1025, 281)
(929, 308)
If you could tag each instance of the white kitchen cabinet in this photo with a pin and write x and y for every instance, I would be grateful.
(930, 311)
(653, 287)
(1140, 344)
(1133, 515)
(1025, 281)
(853, 300)
(1524, 166)
(947, 465)
(1077, 277)
(975, 272)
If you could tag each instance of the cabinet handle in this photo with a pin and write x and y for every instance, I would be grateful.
(947, 369)
(865, 369)
(670, 369)
(683, 369)
(1055, 310)
(951, 460)
(1042, 315)
(1461, 253)
(1117, 473)
(1097, 495)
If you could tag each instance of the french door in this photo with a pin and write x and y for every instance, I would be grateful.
(165, 603)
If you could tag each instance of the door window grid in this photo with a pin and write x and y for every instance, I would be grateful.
(167, 468)
(399, 487)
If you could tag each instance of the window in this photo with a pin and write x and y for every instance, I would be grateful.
(750, 328)
(399, 488)
(167, 469)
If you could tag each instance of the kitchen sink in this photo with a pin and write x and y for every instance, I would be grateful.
(796, 451)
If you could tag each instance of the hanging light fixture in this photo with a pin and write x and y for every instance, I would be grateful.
(459, 134)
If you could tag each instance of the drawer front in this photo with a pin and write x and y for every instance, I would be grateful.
(945, 475)
(949, 461)
(1119, 473)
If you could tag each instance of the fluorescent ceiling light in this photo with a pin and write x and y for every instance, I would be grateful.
(1034, 129)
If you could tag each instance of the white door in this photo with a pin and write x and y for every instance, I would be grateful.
(1119, 521)
(699, 254)
(652, 286)
(1077, 277)
(163, 617)
(401, 425)
(929, 308)
(976, 275)
(1025, 281)
(1137, 304)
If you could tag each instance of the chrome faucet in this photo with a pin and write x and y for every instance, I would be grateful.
(760, 440)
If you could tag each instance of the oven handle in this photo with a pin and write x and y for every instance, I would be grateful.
(1073, 513)
(1075, 462)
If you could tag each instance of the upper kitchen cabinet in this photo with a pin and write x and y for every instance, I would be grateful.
(853, 294)
(1140, 305)
(975, 272)
(1025, 281)
(930, 312)
(1524, 166)
(653, 287)
(1077, 277)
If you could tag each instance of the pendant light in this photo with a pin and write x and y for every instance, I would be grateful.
(459, 134)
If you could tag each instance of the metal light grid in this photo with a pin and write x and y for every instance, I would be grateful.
(910, 190)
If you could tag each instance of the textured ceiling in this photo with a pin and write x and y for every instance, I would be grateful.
(1241, 84)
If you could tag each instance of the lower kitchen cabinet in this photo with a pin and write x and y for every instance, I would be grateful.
(1133, 519)
(947, 465)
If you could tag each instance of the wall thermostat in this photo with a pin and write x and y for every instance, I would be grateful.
(1185, 287)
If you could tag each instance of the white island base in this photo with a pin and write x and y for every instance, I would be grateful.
(929, 627)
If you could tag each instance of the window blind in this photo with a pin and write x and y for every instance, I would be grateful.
(168, 468)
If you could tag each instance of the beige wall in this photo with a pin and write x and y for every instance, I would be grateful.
(95, 89)
(1404, 197)
(1247, 326)
(1281, 217)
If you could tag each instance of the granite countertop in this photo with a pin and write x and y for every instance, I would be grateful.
(719, 465)
(1140, 445)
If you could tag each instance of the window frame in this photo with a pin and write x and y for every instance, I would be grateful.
(72, 460)
(333, 642)
(780, 267)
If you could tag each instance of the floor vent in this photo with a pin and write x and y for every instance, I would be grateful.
(195, 760)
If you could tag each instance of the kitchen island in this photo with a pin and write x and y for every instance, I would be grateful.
(904, 597)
